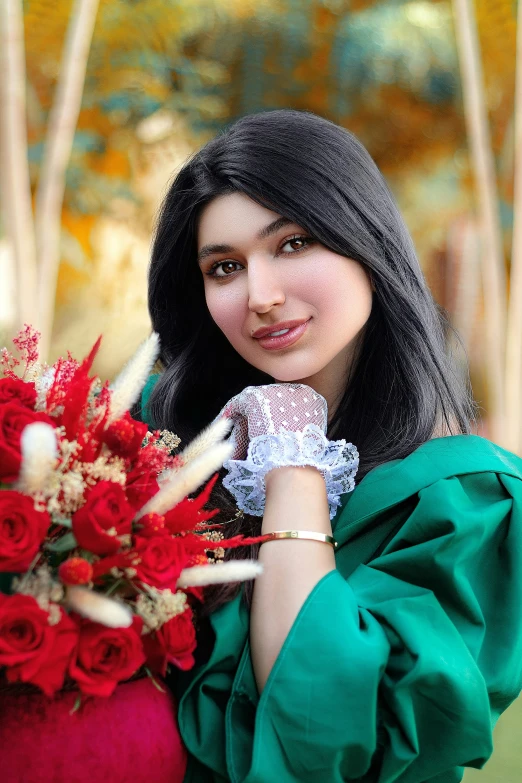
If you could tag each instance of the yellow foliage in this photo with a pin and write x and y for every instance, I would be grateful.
(497, 31)
(71, 282)
(80, 226)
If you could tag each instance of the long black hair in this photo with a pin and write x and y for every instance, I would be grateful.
(403, 386)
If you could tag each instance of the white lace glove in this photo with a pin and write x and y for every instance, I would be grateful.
(281, 425)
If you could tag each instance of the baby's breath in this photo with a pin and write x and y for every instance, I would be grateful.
(159, 606)
(44, 589)
(168, 441)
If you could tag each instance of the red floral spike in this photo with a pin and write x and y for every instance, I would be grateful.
(188, 513)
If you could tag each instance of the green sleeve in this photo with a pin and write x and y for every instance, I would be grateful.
(398, 672)
(145, 415)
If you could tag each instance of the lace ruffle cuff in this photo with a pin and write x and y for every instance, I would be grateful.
(336, 460)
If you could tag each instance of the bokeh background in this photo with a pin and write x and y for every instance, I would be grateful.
(102, 100)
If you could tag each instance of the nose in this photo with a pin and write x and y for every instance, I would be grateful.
(264, 287)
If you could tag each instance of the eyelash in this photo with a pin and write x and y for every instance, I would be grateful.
(309, 241)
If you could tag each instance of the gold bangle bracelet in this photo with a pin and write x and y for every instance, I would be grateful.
(307, 535)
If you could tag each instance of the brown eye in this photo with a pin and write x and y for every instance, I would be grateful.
(297, 243)
(225, 266)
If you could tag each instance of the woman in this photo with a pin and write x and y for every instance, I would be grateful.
(390, 656)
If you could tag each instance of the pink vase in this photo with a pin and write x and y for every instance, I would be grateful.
(131, 737)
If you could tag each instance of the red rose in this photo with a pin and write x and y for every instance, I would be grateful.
(31, 648)
(174, 642)
(13, 418)
(105, 516)
(22, 530)
(140, 487)
(106, 656)
(16, 390)
(160, 560)
(125, 436)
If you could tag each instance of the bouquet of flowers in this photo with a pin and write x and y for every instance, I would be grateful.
(102, 552)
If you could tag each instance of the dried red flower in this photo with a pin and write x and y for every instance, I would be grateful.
(152, 525)
(140, 487)
(188, 514)
(75, 571)
(27, 343)
(125, 436)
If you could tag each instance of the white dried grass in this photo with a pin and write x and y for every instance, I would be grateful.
(98, 608)
(39, 454)
(187, 479)
(231, 571)
(128, 385)
(208, 437)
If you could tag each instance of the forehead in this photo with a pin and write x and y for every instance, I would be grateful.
(232, 218)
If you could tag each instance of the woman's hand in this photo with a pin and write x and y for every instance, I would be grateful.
(269, 409)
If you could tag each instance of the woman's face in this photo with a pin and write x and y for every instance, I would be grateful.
(261, 270)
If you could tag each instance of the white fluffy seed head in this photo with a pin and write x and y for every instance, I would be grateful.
(128, 385)
(39, 453)
(188, 479)
(231, 571)
(98, 608)
(214, 433)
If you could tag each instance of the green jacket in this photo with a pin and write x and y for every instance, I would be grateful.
(401, 660)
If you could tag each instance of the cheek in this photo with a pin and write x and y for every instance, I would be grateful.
(342, 296)
(227, 309)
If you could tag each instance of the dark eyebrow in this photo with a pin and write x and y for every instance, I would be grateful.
(265, 232)
(209, 250)
(272, 228)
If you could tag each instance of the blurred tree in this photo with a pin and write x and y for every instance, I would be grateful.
(387, 69)
(36, 244)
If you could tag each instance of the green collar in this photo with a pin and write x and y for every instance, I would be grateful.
(440, 458)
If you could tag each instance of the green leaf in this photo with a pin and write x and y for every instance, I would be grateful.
(6, 580)
(77, 705)
(64, 544)
(62, 521)
(154, 680)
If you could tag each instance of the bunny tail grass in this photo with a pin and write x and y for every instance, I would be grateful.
(232, 571)
(187, 479)
(131, 380)
(211, 435)
(39, 453)
(98, 608)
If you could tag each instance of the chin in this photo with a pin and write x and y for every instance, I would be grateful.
(287, 375)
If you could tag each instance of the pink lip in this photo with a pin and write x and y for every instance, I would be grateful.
(264, 330)
(284, 340)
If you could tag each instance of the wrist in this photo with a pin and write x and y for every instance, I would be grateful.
(293, 475)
